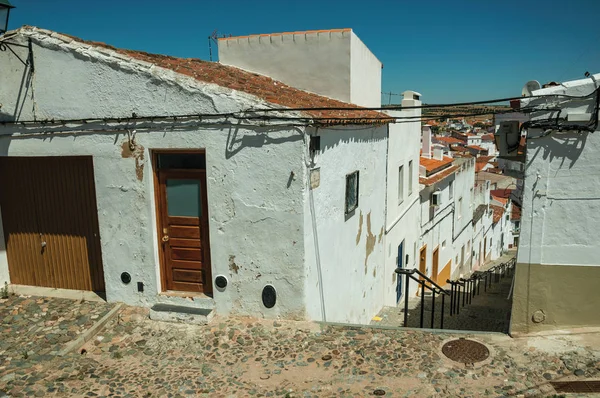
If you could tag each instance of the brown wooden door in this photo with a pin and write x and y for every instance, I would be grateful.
(183, 213)
(50, 222)
(435, 264)
(422, 264)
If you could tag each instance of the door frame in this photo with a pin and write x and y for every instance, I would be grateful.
(435, 265)
(204, 226)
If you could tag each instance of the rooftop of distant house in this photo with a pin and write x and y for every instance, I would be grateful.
(432, 165)
(237, 79)
(477, 148)
(498, 212)
(501, 195)
(487, 137)
(515, 214)
(301, 32)
(447, 140)
(481, 162)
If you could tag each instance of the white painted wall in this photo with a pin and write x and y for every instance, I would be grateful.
(463, 228)
(256, 209)
(347, 251)
(365, 75)
(561, 201)
(402, 214)
(335, 64)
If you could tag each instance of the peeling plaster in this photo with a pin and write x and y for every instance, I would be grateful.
(380, 236)
(129, 149)
(233, 267)
(370, 243)
(360, 223)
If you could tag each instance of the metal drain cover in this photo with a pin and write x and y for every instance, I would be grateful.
(589, 386)
(465, 351)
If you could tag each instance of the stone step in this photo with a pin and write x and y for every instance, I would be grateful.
(181, 314)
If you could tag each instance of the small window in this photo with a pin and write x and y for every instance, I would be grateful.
(315, 145)
(459, 210)
(351, 192)
(451, 189)
(400, 184)
(181, 161)
(443, 244)
(410, 177)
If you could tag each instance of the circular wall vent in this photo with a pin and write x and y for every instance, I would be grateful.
(269, 296)
(126, 278)
(221, 282)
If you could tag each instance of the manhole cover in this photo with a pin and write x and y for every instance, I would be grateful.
(589, 386)
(465, 351)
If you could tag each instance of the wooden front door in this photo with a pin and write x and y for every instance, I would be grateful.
(435, 264)
(183, 225)
(422, 264)
(50, 222)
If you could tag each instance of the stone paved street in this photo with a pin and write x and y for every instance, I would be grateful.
(136, 357)
(35, 328)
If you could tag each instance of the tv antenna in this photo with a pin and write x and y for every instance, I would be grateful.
(214, 38)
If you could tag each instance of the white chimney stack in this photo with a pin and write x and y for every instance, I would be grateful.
(438, 153)
(426, 141)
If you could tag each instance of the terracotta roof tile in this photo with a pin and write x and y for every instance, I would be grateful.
(476, 147)
(447, 140)
(252, 83)
(498, 212)
(481, 162)
(433, 165)
(487, 137)
(437, 176)
(515, 214)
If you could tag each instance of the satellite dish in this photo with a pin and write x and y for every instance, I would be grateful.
(530, 87)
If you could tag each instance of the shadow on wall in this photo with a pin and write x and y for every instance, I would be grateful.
(564, 146)
(20, 100)
(334, 136)
(259, 137)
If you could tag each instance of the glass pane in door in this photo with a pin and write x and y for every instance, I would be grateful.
(183, 198)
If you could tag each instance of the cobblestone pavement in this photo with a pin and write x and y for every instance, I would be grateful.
(33, 329)
(136, 357)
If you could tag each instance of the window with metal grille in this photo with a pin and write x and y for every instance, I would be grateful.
(351, 192)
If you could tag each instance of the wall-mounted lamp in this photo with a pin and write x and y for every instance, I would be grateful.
(5, 8)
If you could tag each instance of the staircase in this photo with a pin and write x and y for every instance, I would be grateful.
(485, 306)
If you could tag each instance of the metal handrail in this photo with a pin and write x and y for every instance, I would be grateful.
(422, 275)
(436, 289)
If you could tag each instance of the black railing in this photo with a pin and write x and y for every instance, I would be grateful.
(462, 291)
(423, 280)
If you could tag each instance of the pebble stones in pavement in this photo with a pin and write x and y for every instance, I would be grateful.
(135, 357)
(34, 329)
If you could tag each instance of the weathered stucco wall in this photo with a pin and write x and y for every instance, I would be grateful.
(558, 264)
(344, 253)
(402, 214)
(463, 216)
(255, 202)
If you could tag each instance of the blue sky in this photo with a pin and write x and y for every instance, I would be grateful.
(448, 50)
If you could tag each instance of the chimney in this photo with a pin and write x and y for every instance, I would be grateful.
(438, 153)
(426, 141)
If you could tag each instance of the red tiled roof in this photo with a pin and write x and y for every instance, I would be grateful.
(498, 212)
(252, 83)
(500, 199)
(433, 165)
(481, 162)
(476, 147)
(515, 214)
(487, 137)
(437, 176)
(501, 193)
(447, 140)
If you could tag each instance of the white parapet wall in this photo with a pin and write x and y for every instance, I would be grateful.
(334, 63)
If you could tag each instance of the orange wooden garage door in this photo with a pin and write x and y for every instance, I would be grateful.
(50, 222)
